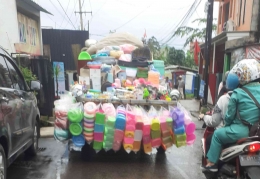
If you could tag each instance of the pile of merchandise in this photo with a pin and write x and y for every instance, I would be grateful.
(107, 127)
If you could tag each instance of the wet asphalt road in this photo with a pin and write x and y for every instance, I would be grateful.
(54, 161)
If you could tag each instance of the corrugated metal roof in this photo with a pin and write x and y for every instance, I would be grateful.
(36, 6)
(60, 42)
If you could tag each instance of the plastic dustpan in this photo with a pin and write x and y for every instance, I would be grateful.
(75, 129)
(84, 56)
(79, 141)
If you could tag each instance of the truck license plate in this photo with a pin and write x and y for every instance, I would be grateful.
(250, 159)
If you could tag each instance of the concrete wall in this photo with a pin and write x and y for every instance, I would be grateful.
(9, 33)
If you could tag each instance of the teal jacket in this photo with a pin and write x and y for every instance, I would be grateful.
(248, 110)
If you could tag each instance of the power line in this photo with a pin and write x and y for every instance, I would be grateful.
(98, 11)
(167, 22)
(186, 20)
(188, 15)
(66, 11)
(133, 18)
(56, 8)
(74, 8)
(184, 17)
(66, 14)
(180, 21)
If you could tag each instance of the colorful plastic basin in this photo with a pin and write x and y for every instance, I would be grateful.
(75, 129)
(78, 141)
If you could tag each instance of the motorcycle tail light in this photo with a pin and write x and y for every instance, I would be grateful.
(254, 147)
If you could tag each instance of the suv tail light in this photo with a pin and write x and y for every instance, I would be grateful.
(254, 147)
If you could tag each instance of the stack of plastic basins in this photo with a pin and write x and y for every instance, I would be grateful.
(99, 131)
(75, 116)
(119, 128)
(129, 131)
(179, 128)
(89, 121)
(109, 133)
(156, 133)
(138, 133)
(61, 131)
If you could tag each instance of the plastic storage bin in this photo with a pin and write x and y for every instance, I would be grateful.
(159, 65)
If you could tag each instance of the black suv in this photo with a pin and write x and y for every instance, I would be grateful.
(19, 114)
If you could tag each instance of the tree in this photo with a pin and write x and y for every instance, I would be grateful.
(176, 57)
(154, 46)
(189, 60)
(199, 32)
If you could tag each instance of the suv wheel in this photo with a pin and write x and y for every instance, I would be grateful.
(3, 165)
(32, 150)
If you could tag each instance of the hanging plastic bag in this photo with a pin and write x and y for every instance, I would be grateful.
(119, 127)
(99, 130)
(109, 109)
(147, 145)
(90, 110)
(130, 129)
(138, 133)
(189, 126)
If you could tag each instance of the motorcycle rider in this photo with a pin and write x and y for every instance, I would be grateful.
(216, 120)
(247, 74)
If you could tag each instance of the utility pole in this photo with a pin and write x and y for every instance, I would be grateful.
(207, 50)
(80, 14)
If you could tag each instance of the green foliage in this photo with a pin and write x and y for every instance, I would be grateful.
(27, 73)
(189, 60)
(170, 55)
(199, 32)
(176, 57)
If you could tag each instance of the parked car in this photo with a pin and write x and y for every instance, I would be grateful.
(19, 114)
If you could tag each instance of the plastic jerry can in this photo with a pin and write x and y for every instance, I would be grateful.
(147, 148)
(100, 118)
(156, 142)
(146, 130)
(179, 131)
(119, 135)
(98, 136)
(138, 135)
(97, 145)
(99, 128)
(136, 146)
(146, 139)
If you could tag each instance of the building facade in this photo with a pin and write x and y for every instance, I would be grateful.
(20, 30)
(237, 38)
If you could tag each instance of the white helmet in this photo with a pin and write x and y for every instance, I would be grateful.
(246, 70)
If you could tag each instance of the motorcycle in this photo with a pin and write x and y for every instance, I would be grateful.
(175, 95)
(238, 161)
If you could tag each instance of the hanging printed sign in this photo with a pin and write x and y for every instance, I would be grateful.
(28, 35)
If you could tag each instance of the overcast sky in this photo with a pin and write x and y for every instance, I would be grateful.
(158, 17)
